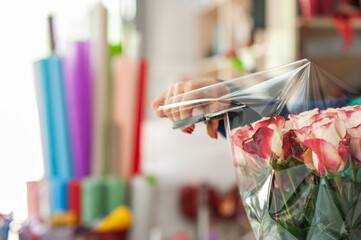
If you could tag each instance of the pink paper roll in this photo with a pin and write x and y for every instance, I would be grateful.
(33, 199)
(79, 96)
(125, 109)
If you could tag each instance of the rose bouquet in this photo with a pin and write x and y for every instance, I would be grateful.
(299, 178)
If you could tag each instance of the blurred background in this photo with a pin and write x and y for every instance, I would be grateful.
(77, 79)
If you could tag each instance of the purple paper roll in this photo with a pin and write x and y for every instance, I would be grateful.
(79, 96)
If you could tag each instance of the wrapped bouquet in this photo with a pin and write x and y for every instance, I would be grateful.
(299, 177)
(296, 147)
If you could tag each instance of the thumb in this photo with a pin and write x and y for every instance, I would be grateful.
(212, 127)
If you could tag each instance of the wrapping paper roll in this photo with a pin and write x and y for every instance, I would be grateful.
(114, 193)
(142, 202)
(53, 114)
(79, 95)
(33, 199)
(92, 200)
(125, 104)
(99, 63)
(58, 195)
(46, 124)
(114, 150)
(74, 198)
(142, 86)
(44, 199)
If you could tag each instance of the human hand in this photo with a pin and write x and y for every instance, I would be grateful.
(171, 96)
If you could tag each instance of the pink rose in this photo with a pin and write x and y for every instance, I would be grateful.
(328, 152)
(266, 140)
(275, 123)
(261, 140)
(291, 146)
(330, 112)
(241, 150)
(241, 134)
(355, 143)
(304, 118)
(351, 115)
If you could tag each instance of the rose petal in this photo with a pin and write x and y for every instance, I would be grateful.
(303, 133)
(280, 122)
(290, 145)
(263, 140)
(307, 159)
(353, 119)
(249, 146)
(330, 112)
(325, 155)
(344, 150)
(276, 146)
(287, 144)
(261, 123)
(267, 142)
(351, 108)
(355, 132)
(320, 167)
(333, 131)
(304, 118)
(288, 125)
(355, 144)
(241, 134)
(275, 123)
(238, 155)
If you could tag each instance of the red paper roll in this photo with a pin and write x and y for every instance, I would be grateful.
(74, 198)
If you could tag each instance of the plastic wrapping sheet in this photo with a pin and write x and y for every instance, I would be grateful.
(296, 148)
(292, 88)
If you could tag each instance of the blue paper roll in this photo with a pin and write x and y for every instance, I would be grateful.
(58, 195)
(46, 123)
(56, 141)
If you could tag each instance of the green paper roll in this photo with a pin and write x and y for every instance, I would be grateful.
(114, 192)
(92, 200)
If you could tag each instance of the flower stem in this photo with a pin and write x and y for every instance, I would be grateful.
(294, 187)
(274, 197)
(278, 177)
(293, 184)
(339, 185)
(353, 171)
(327, 183)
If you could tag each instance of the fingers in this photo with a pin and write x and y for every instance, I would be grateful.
(183, 112)
(212, 127)
(186, 111)
(189, 129)
(178, 89)
(168, 100)
(159, 101)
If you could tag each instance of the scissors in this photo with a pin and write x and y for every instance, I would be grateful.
(206, 117)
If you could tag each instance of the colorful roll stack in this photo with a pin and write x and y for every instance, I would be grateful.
(91, 114)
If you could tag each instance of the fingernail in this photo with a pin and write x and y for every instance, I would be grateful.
(189, 132)
(216, 134)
